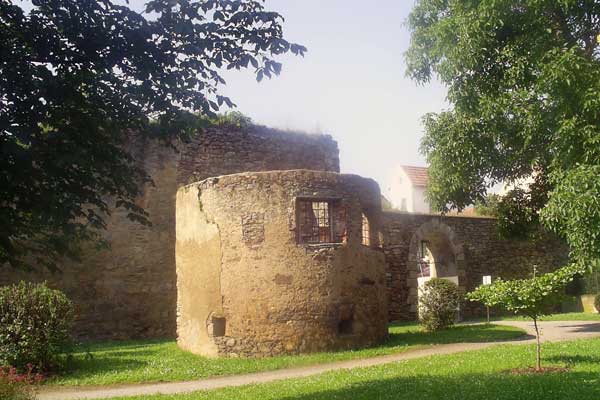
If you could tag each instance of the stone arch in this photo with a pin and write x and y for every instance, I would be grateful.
(447, 253)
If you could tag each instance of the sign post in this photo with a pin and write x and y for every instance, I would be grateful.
(487, 280)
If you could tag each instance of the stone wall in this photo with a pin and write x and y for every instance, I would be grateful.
(256, 148)
(246, 287)
(476, 251)
(129, 290)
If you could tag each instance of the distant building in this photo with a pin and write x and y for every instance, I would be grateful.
(407, 190)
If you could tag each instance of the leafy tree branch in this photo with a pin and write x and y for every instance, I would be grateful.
(523, 80)
(83, 82)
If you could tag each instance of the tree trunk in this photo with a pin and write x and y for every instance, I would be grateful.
(538, 364)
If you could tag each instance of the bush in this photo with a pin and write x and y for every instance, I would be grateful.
(35, 322)
(438, 301)
(597, 302)
(15, 386)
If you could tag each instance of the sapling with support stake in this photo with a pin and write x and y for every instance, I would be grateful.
(531, 298)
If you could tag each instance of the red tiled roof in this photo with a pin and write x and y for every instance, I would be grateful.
(417, 175)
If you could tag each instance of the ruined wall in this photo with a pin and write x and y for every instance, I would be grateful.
(477, 251)
(256, 148)
(129, 290)
(247, 288)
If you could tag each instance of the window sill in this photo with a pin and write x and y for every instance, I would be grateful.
(372, 247)
(320, 245)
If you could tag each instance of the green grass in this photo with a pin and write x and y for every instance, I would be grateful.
(565, 317)
(466, 376)
(155, 361)
(554, 317)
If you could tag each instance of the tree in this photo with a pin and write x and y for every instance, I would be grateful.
(517, 216)
(80, 78)
(532, 298)
(488, 206)
(523, 79)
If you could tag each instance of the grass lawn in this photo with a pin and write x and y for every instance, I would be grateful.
(554, 317)
(561, 317)
(154, 361)
(466, 376)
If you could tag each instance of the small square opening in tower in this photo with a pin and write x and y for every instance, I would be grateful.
(218, 326)
(346, 327)
(345, 320)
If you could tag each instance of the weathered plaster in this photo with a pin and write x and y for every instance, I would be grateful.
(279, 296)
(129, 290)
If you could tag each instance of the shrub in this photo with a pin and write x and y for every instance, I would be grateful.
(597, 302)
(35, 322)
(438, 303)
(15, 386)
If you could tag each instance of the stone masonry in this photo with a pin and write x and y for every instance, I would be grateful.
(476, 248)
(246, 287)
(129, 290)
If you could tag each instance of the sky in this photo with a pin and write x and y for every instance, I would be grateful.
(351, 84)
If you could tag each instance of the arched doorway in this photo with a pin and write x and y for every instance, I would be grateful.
(434, 252)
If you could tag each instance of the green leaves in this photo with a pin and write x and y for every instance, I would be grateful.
(439, 300)
(35, 324)
(488, 206)
(82, 84)
(573, 211)
(529, 297)
(523, 79)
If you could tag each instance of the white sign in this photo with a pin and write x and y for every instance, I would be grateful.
(487, 279)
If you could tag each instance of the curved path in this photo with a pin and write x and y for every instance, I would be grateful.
(551, 331)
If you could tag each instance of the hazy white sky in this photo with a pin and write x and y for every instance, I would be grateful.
(351, 84)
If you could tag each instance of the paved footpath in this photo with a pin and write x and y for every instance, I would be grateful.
(551, 331)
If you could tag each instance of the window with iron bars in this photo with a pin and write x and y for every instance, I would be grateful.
(315, 222)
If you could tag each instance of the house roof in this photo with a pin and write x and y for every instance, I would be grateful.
(417, 175)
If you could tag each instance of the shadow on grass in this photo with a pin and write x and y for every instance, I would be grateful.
(147, 361)
(113, 356)
(143, 351)
(121, 345)
(83, 367)
(576, 359)
(498, 386)
(413, 336)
